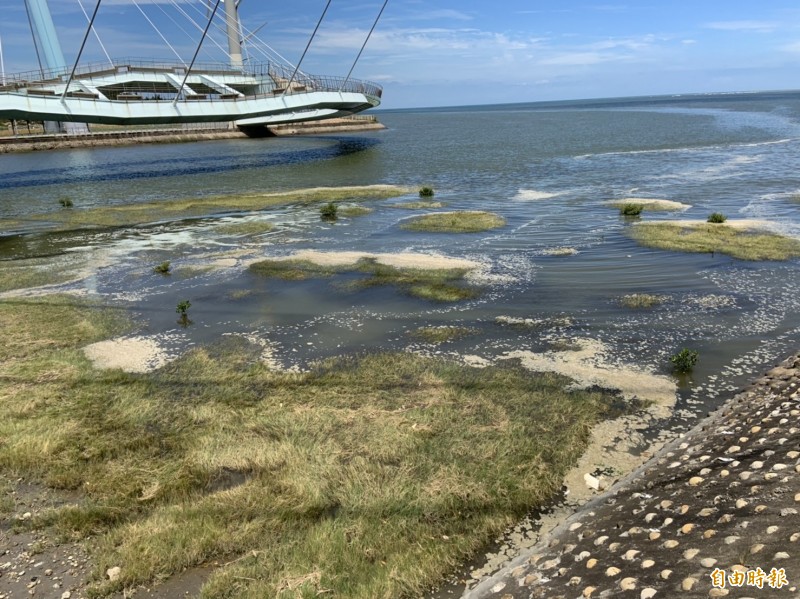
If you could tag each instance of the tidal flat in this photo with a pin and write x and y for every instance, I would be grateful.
(548, 296)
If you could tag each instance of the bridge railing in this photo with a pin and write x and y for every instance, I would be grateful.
(279, 74)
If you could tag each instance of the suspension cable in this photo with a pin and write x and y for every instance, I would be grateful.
(196, 52)
(189, 18)
(80, 51)
(271, 55)
(308, 45)
(153, 25)
(364, 45)
(96, 35)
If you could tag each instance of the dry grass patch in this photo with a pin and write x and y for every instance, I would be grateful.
(441, 334)
(172, 210)
(733, 241)
(455, 222)
(37, 272)
(641, 300)
(249, 227)
(436, 284)
(353, 211)
(365, 477)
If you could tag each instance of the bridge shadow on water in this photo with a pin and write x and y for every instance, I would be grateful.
(191, 163)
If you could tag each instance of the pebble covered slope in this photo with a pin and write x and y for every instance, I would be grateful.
(716, 513)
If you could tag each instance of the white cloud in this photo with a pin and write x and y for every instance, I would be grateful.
(755, 26)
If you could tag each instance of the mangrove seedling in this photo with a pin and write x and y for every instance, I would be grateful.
(66, 203)
(631, 209)
(684, 360)
(717, 218)
(183, 309)
(329, 211)
(426, 192)
(163, 269)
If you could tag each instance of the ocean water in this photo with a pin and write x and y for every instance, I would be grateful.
(546, 168)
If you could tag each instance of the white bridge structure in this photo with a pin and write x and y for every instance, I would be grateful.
(135, 91)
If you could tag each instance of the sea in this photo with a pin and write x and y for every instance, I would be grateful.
(555, 273)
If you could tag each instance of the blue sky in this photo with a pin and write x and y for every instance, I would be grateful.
(444, 52)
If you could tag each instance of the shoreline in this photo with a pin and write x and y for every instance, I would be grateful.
(645, 533)
(33, 143)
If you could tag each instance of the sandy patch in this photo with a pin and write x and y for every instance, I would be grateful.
(398, 260)
(531, 195)
(224, 263)
(744, 224)
(588, 366)
(131, 354)
(650, 203)
(560, 251)
(554, 322)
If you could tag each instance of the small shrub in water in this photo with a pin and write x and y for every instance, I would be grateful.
(66, 203)
(183, 307)
(631, 210)
(164, 268)
(426, 192)
(684, 360)
(329, 211)
(717, 218)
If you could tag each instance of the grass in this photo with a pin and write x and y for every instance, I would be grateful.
(641, 300)
(441, 334)
(454, 222)
(717, 218)
(631, 209)
(443, 285)
(164, 268)
(329, 211)
(7, 503)
(246, 227)
(723, 239)
(418, 205)
(684, 361)
(181, 209)
(293, 270)
(37, 272)
(364, 477)
(352, 211)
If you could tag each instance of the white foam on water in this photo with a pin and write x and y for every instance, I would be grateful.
(532, 195)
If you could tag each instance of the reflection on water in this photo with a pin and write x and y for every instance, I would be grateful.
(547, 171)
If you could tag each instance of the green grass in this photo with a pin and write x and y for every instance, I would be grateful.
(248, 227)
(454, 222)
(365, 477)
(641, 300)
(443, 285)
(745, 245)
(163, 269)
(684, 361)
(631, 209)
(717, 218)
(189, 208)
(329, 211)
(441, 334)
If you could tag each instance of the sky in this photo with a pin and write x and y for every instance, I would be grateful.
(466, 52)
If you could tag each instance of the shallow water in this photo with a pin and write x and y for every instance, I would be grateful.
(546, 169)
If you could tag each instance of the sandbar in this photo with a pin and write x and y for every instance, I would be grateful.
(397, 260)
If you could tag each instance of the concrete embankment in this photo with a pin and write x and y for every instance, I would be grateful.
(713, 514)
(29, 143)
